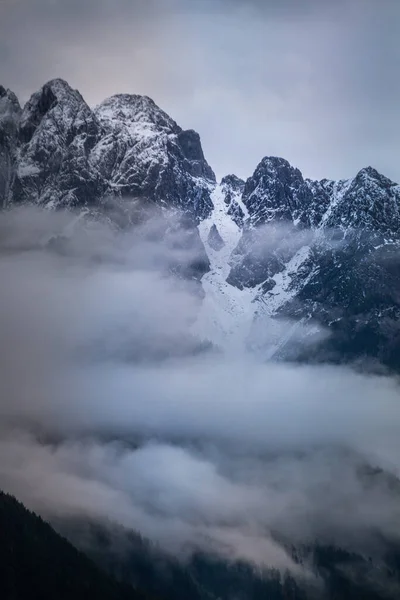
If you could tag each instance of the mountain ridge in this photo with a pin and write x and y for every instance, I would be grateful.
(36, 562)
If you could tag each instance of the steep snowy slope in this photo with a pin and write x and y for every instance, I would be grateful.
(227, 312)
(327, 254)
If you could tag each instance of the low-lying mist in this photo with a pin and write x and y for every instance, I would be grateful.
(112, 409)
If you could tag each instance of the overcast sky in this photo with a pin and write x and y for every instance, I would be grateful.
(314, 81)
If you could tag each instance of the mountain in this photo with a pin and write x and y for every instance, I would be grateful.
(136, 561)
(114, 563)
(125, 158)
(295, 269)
(69, 155)
(324, 254)
(338, 573)
(10, 112)
(36, 562)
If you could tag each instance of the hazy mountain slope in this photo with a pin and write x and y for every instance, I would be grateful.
(35, 562)
(338, 573)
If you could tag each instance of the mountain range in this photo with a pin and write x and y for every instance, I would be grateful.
(36, 562)
(293, 268)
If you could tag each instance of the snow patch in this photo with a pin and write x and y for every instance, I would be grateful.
(27, 170)
(339, 190)
(283, 291)
(227, 313)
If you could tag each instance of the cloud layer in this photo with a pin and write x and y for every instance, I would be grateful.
(193, 449)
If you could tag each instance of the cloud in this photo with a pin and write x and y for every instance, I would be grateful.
(193, 449)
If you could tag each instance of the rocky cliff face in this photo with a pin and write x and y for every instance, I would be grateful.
(278, 247)
(10, 112)
(69, 155)
(325, 253)
(125, 158)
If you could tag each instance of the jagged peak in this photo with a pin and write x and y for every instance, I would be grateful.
(275, 162)
(133, 108)
(58, 89)
(50, 94)
(275, 166)
(54, 93)
(233, 181)
(8, 102)
(140, 118)
(7, 93)
(371, 173)
(137, 99)
(59, 85)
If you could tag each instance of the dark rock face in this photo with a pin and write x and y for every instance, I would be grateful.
(214, 239)
(232, 188)
(189, 142)
(126, 158)
(232, 184)
(144, 153)
(277, 192)
(57, 130)
(72, 156)
(10, 112)
(326, 252)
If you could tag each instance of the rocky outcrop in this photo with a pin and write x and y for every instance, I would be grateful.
(10, 112)
(68, 155)
(215, 241)
(327, 253)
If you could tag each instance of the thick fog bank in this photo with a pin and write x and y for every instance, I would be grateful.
(111, 408)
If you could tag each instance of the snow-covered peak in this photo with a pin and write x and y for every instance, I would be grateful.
(60, 88)
(369, 202)
(55, 102)
(277, 192)
(233, 182)
(50, 95)
(67, 154)
(139, 122)
(137, 114)
(370, 176)
(275, 167)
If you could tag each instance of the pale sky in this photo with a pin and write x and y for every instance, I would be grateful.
(314, 81)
